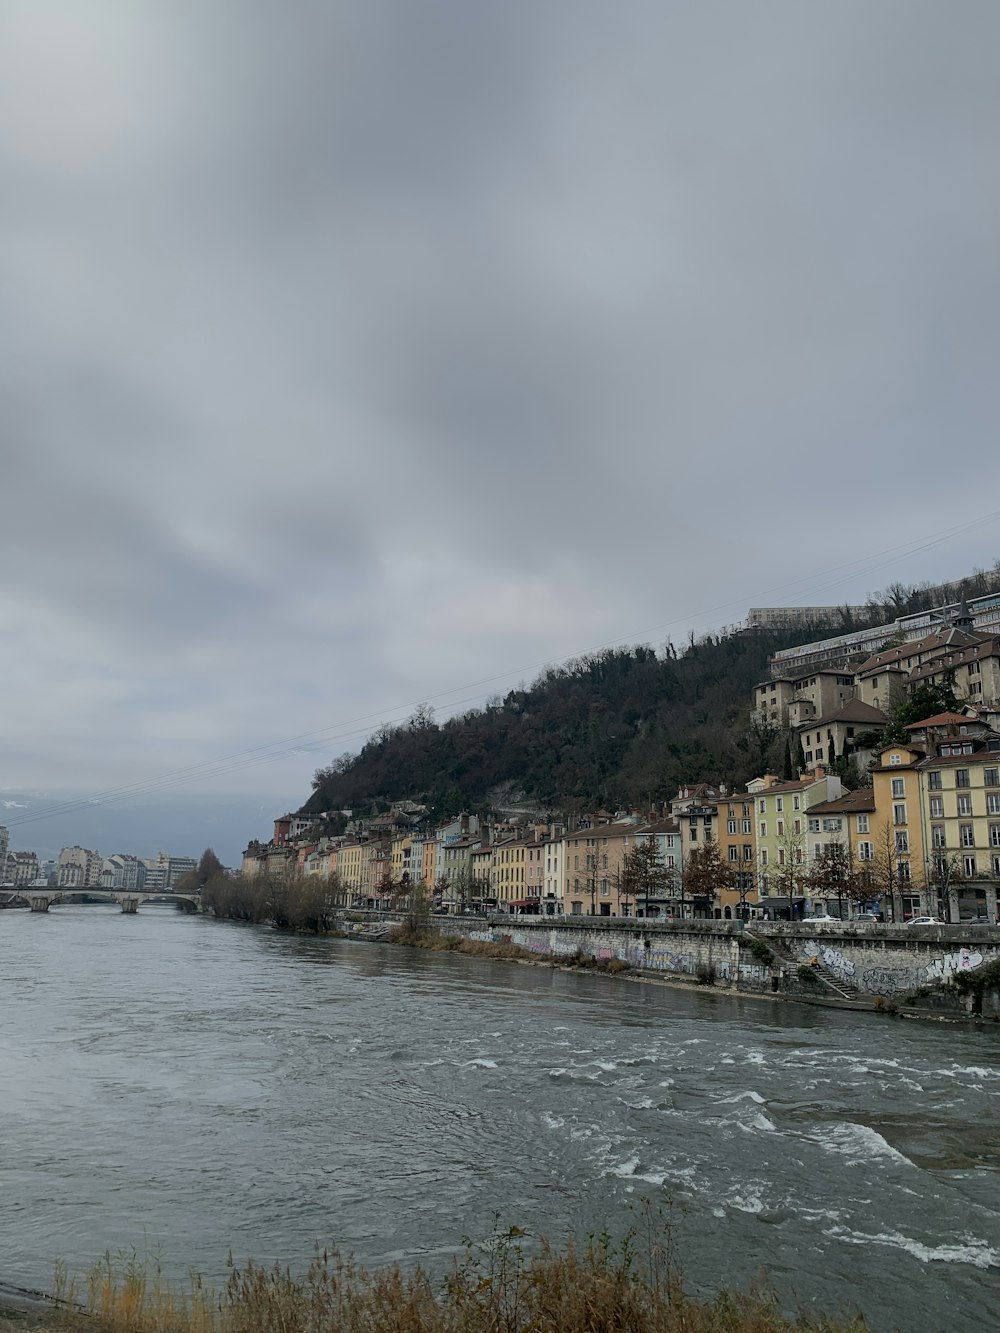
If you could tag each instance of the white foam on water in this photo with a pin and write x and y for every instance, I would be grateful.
(666, 1083)
(754, 1058)
(718, 1212)
(481, 1063)
(694, 1041)
(643, 1104)
(552, 1121)
(970, 1250)
(623, 1169)
(750, 1203)
(860, 1143)
(749, 1095)
(608, 1066)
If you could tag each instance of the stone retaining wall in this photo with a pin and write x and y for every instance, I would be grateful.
(886, 961)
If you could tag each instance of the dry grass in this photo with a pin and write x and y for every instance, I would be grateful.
(497, 1288)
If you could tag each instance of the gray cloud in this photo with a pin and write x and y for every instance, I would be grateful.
(345, 346)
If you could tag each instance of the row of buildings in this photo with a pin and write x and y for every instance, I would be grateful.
(920, 834)
(924, 837)
(82, 868)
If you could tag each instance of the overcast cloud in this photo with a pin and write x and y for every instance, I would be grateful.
(355, 351)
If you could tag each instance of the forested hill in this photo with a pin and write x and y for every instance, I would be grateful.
(622, 727)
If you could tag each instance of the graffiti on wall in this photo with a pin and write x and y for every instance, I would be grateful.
(889, 980)
(962, 960)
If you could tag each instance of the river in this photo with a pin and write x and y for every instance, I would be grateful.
(184, 1087)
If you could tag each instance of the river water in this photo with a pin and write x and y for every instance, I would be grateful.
(184, 1087)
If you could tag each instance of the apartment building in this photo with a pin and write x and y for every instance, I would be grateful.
(780, 812)
(959, 788)
(738, 848)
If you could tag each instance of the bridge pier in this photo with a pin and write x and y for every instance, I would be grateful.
(129, 906)
(39, 904)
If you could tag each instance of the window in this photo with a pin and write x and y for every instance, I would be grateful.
(795, 803)
(763, 829)
(798, 856)
(902, 842)
(694, 833)
(779, 803)
(866, 851)
(762, 807)
(763, 856)
(781, 828)
(966, 835)
(814, 826)
(897, 787)
(747, 852)
(991, 777)
(576, 909)
(819, 752)
(817, 849)
(965, 805)
(895, 760)
(995, 835)
(937, 807)
(974, 668)
(937, 836)
(671, 863)
(730, 825)
(862, 823)
(970, 867)
(967, 747)
(993, 803)
(604, 888)
(734, 853)
(934, 781)
(747, 826)
(903, 872)
(899, 814)
(961, 777)
(781, 856)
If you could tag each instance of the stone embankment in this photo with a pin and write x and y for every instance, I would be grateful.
(858, 965)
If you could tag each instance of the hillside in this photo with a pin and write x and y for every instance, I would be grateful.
(623, 727)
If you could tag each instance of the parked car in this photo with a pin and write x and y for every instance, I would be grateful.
(924, 921)
(821, 916)
(867, 918)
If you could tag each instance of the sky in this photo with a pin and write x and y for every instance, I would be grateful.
(365, 353)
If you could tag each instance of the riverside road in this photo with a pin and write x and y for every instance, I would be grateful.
(182, 1086)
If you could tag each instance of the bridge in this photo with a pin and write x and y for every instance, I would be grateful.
(40, 900)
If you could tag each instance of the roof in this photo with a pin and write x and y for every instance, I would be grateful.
(861, 801)
(928, 644)
(852, 711)
(942, 720)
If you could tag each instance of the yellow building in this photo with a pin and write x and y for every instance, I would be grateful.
(959, 784)
(738, 848)
(898, 859)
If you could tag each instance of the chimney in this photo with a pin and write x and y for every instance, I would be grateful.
(464, 821)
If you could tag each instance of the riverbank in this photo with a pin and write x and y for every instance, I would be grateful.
(508, 1283)
(859, 969)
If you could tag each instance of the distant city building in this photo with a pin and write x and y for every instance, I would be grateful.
(79, 868)
(164, 871)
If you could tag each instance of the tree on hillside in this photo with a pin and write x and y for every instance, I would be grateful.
(927, 700)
